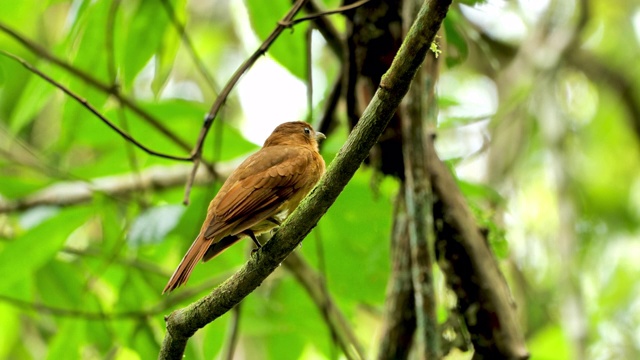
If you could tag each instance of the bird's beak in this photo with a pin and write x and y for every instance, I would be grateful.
(320, 136)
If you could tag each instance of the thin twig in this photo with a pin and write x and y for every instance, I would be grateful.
(222, 98)
(325, 13)
(190, 180)
(327, 29)
(309, 69)
(94, 82)
(331, 104)
(113, 76)
(143, 266)
(158, 308)
(92, 109)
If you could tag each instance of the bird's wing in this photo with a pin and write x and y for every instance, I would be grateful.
(273, 176)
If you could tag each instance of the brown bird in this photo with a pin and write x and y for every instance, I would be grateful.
(258, 195)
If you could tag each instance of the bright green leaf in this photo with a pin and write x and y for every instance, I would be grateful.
(289, 48)
(47, 238)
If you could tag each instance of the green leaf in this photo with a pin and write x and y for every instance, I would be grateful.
(87, 43)
(34, 97)
(61, 284)
(125, 353)
(20, 258)
(458, 50)
(68, 340)
(479, 191)
(167, 50)
(549, 343)
(10, 330)
(14, 187)
(143, 38)
(289, 48)
(356, 230)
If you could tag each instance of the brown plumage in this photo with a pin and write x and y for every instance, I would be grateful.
(258, 195)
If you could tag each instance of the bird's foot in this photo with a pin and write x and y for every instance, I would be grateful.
(255, 240)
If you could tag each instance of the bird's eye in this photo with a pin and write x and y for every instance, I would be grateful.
(307, 131)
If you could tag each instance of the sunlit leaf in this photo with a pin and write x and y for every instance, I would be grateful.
(289, 49)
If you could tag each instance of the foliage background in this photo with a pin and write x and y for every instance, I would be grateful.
(543, 138)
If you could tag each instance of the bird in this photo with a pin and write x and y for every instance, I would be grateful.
(258, 195)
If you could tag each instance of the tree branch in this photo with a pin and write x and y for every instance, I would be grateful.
(419, 199)
(320, 14)
(472, 271)
(92, 109)
(183, 323)
(400, 310)
(222, 97)
(77, 192)
(107, 89)
(326, 28)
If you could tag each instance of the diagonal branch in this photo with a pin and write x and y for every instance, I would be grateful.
(92, 109)
(86, 77)
(224, 94)
(183, 323)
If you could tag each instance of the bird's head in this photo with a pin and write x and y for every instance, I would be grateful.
(295, 133)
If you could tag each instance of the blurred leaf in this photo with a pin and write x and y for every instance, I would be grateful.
(34, 97)
(289, 48)
(86, 43)
(605, 167)
(10, 329)
(445, 102)
(68, 340)
(154, 224)
(144, 37)
(168, 47)
(127, 354)
(479, 191)
(457, 50)
(549, 343)
(451, 122)
(14, 187)
(281, 320)
(358, 244)
(18, 258)
(61, 284)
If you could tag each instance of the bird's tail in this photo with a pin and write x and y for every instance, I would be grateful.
(196, 253)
